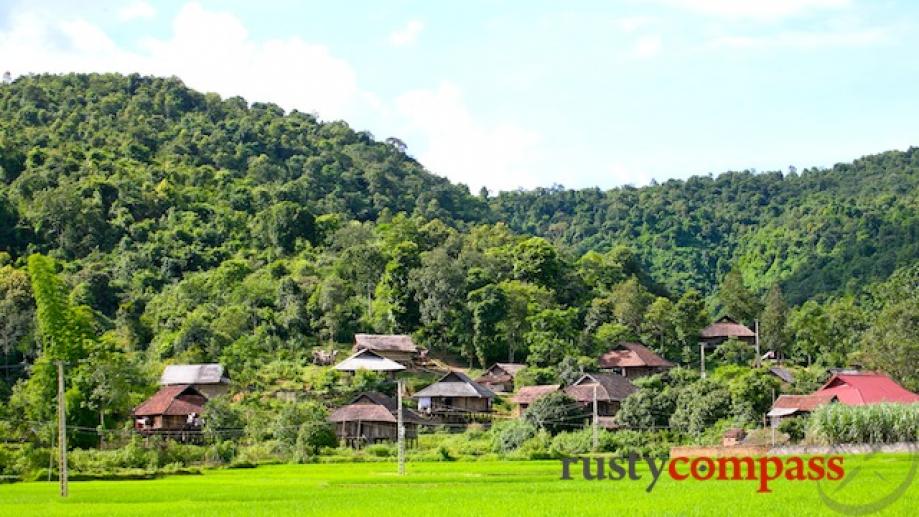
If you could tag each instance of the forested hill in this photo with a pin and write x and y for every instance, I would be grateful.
(814, 231)
(86, 158)
(164, 225)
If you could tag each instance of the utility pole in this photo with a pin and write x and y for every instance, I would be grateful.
(595, 423)
(756, 332)
(702, 353)
(400, 429)
(62, 428)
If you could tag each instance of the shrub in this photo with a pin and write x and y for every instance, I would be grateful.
(555, 412)
(571, 443)
(873, 423)
(794, 427)
(382, 450)
(508, 436)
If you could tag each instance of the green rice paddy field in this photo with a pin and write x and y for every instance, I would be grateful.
(503, 488)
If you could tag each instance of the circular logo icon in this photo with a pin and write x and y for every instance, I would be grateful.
(873, 481)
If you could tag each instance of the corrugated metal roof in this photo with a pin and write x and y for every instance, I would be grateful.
(802, 402)
(866, 388)
(385, 342)
(193, 374)
(455, 384)
(368, 360)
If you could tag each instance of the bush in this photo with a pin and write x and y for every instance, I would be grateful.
(220, 453)
(794, 427)
(382, 450)
(312, 437)
(571, 443)
(555, 412)
(874, 423)
(508, 436)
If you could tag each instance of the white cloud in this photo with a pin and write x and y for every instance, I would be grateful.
(136, 11)
(622, 174)
(210, 51)
(804, 40)
(646, 46)
(761, 9)
(497, 155)
(407, 34)
(213, 51)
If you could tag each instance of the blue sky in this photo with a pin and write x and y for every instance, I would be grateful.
(512, 94)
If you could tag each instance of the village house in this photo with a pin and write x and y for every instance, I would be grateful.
(796, 405)
(365, 359)
(633, 360)
(726, 328)
(610, 390)
(399, 348)
(455, 398)
(372, 417)
(209, 379)
(499, 377)
(851, 389)
(530, 394)
(173, 411)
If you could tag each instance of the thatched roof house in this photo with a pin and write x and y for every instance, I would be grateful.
(209, 379)
(499, 377)
(529, 394)
(368, 360)
(397, 347)
(173, 408)
(611, 390)
(726, 328)
(372, 417)
(632, 360)
(454, 394)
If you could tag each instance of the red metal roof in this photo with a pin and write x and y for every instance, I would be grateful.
(866, 388)
(178, 399)
(629, 354)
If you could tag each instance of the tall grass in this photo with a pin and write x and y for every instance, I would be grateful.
(873, 423)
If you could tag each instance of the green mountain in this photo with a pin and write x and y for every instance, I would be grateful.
(814, 232)
(190, 227)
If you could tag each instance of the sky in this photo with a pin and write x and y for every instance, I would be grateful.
(527, 93)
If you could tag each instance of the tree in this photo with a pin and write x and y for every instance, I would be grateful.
(396, 308)
(773, 327)
(631, 302)
(553, 335)
(283, 223)
(690, 318)
(537, 261)
(659, 328)
(488, 307)
(555, 412)
(222, 420)
(891, 345)
(736, 299)
(811, 330)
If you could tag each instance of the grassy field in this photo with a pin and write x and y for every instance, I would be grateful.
(461, 488)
